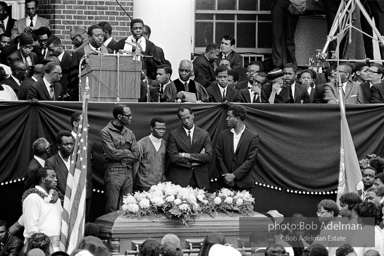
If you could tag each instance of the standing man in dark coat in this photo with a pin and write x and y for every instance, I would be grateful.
(283, 33)
(205, 63)
(190, 151)
(227, 53)
(139, 44)
(10, 245)
(41, 152)
(236, 151)
(61, 161)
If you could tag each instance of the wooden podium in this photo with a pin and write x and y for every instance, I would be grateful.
(112, 77)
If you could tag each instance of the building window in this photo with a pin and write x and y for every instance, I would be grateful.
(249, 21)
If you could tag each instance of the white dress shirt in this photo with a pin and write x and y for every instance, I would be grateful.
(236, 138)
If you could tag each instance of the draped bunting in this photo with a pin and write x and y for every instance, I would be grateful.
(299, 144)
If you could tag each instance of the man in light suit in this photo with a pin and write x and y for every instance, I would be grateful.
(190, 151)
(205, 63)
(227, 53)
(41, 152)
(351, 90)
(49, 87)
(61, 161)
(236, 151)
(31, 22)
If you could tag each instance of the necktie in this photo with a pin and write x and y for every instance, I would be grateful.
(189, 136)
(186, 87)
(224, 98)
(51, 92)
(254, 98)
(43, 52)
(291, 99)
(2, 25)
(31, 25)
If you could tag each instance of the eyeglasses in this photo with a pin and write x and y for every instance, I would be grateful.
(252, 71)
(184, 70)
(27, 47)
(126, 115)
(321, 212)
(372, 71)
(48, 147)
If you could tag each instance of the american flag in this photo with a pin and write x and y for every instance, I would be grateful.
(73, 217)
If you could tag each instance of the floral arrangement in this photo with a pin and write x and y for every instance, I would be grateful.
(185, 204)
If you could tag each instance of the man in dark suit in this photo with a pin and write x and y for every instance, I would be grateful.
(253, 94)
(41, 152)
(41, 50)
(165, 90)
(6, 22)
(31, 22)
(205, 63)
(319, 89)
(94, 47)
(221, 92)
(60, 162)
(252, 70)
(352, 90)
(10, 245)
(377, 93)
(375, 9)
(236, 151)
(38, 73)
(24, 53)
(283, 33)
(185, 84)
(285, 89)
(227, 53)
(190, 152)
(56, 49)
(307, 78)
(75, 121)
(19, 73)
(49, 87)
(5, 42)
(137, 42)
(109, 41)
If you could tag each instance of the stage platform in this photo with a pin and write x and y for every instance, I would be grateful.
(122, 234)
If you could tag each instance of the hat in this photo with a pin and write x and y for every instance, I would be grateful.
(77, 31)
(25, 39)
(223, 250)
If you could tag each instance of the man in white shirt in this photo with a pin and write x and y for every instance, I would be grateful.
(60, 162)
(42, 208)
(149, 170)
(236, 151)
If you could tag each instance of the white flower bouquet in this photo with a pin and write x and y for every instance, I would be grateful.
(185, 204)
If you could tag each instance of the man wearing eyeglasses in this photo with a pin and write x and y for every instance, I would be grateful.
(48, 88)
(31, 22)
(375, 75)
(253, 94)
(41, 152)
(351, 91)
(121, 151)
(43, 34)
(252, 70)
(327, 211)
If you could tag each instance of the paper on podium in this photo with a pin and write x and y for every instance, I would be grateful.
(189, 96)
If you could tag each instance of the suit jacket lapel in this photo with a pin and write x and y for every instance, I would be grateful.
(348, 89)
(44, 88)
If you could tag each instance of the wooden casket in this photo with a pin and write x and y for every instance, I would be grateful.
(121, 232)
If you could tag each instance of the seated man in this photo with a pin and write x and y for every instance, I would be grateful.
(307, 78)
(352, 90)
(227, 53)
(252, 70)
(222, 92)
(253, 94)
(165, 91)
(285, 89)
(185, 84)
(24, 53)
(10, 245)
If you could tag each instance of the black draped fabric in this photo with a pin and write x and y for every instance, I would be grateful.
(299, 144)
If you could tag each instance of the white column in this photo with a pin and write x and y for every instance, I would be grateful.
(172, 25)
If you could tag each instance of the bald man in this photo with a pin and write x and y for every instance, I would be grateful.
(185, 84)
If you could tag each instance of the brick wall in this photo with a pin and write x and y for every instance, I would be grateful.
(64, 14)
